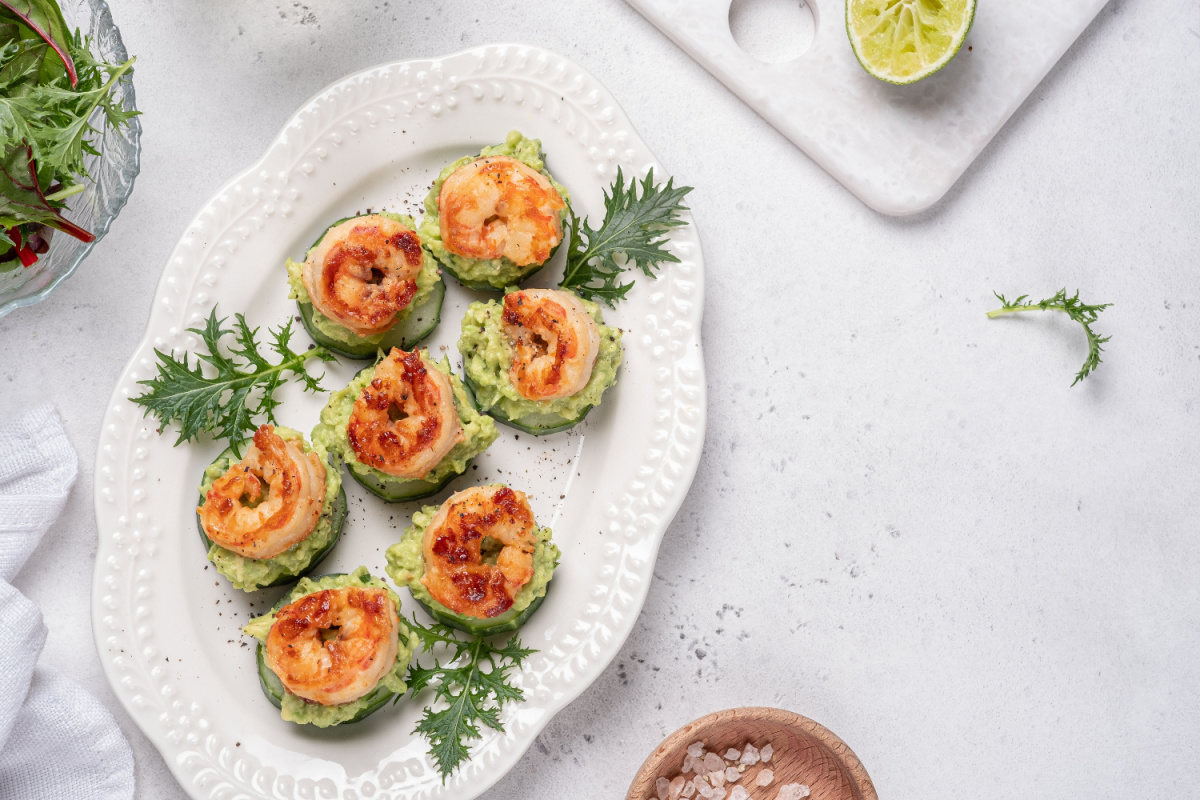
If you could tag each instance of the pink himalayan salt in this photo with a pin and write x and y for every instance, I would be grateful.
(792, 791)
(711, 775)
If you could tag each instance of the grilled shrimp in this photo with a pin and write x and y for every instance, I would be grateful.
(456, 573)
(268, 501)
(497, 206)
(405, 422)
(364, 272)
(341, 669)
(555, 342)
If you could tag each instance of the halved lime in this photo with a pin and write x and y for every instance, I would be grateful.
(903, 41)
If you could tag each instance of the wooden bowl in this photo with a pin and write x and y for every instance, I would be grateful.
(804, 752)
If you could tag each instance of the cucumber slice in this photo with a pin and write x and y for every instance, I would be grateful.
(414, 328)
(490, 275)
(272, 687)
(508, 621)
(338, 519)
(536, 424)
(485, 286)
(408, 490)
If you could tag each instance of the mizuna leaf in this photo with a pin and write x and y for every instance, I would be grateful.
(473, 686)
(242, 389)
(64, 145)
(1081, 312)
(633, 228)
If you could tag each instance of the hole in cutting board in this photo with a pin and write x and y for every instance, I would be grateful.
(773, 31)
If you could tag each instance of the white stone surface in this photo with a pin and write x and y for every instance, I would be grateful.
(906, 525)
(899, 148)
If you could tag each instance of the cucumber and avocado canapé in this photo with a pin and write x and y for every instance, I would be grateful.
(487, 355)
(496, 273)
(413, 323)
(406, 566)
(296, 709)
(252, 574)
(479, 431)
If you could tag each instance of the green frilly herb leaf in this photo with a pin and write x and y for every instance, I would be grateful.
(241, 390)
(473, 685)
(633, 228)
(1079, 311)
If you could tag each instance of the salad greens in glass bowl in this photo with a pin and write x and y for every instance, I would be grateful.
(69, 140)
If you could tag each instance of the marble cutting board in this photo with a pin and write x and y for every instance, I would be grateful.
(898, 148)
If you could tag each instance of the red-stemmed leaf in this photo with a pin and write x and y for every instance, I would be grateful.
(21, 197)
(24, 251)
(46, 20)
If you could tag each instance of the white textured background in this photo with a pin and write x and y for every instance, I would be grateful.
(905, 525)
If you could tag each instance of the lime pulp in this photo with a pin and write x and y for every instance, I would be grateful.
(903, 41)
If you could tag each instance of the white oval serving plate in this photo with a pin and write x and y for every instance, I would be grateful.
(168, 627)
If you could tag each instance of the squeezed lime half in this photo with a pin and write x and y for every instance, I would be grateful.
(903, 41)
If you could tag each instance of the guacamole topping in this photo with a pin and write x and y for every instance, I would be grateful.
(251, 574)
(299, 710)
(496, 272)
(406, 566)
(427, 279)
(479, 431)
(487, 355)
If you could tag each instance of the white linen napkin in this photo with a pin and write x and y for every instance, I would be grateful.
(56, 741)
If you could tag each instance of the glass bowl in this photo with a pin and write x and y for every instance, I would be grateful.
(112, 173)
